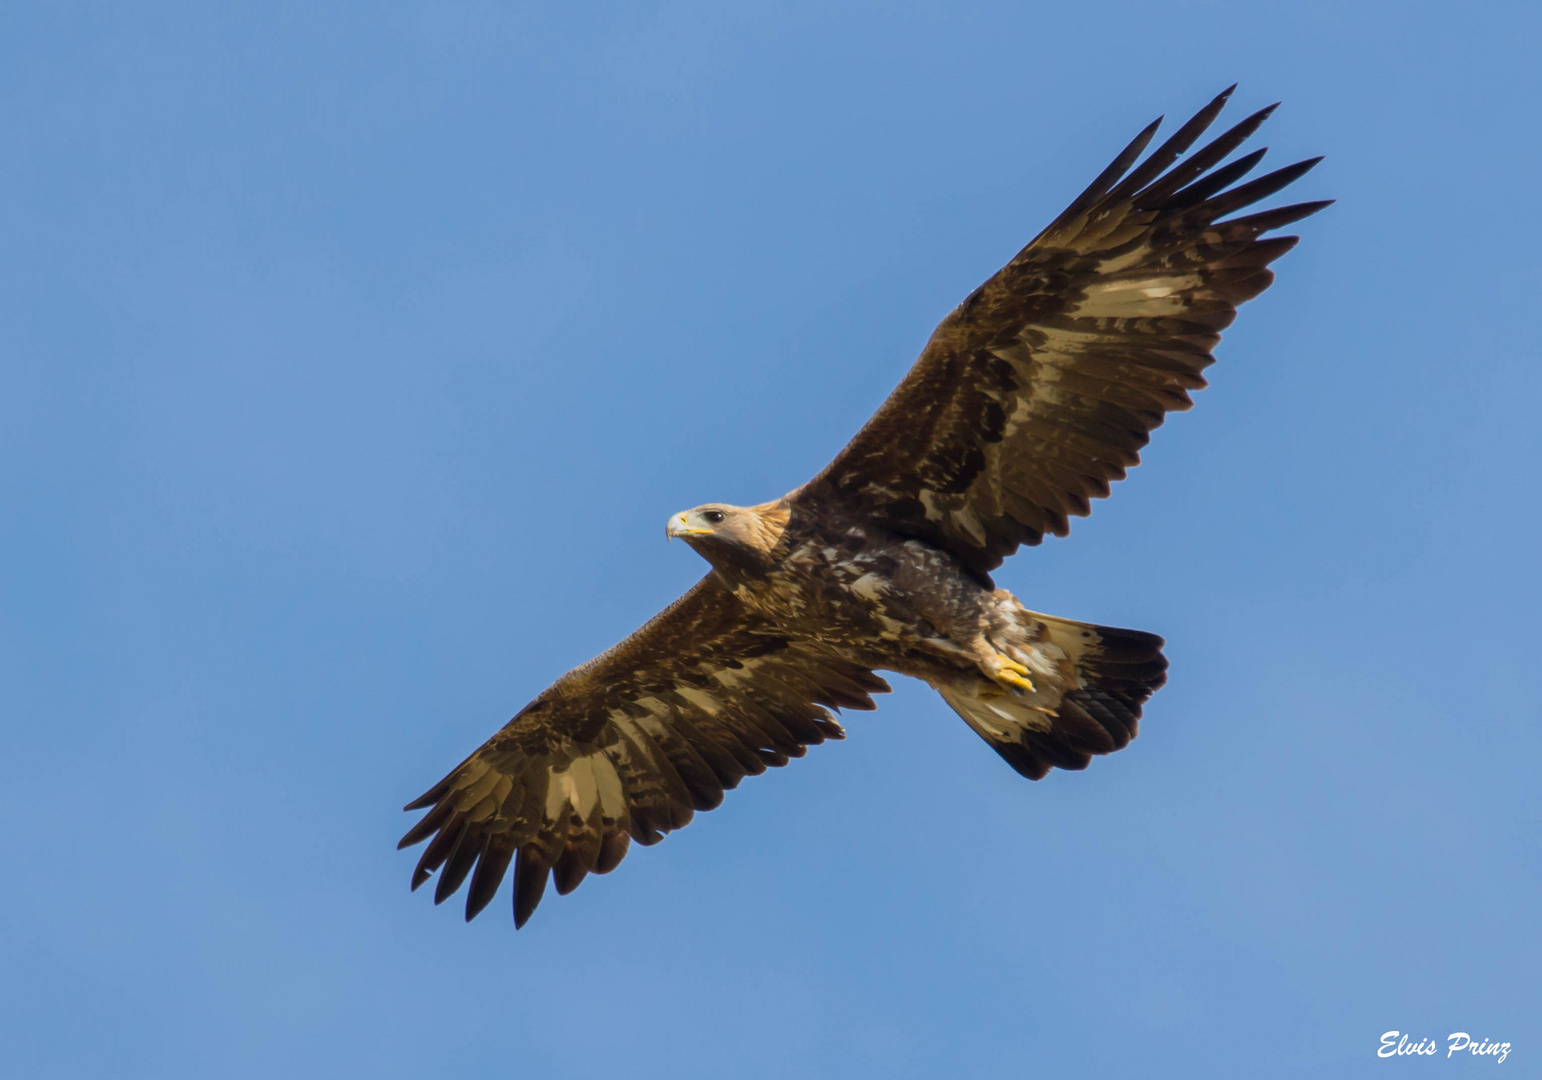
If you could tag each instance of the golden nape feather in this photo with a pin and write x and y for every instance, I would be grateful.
(1030, 398)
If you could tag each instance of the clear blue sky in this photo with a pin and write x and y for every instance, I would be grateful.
(353, 360)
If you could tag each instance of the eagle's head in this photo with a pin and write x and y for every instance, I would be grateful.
(737, 537)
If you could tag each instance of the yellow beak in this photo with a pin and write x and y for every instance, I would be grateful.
(677, 527)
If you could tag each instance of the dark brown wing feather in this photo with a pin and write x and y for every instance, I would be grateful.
(1043, 385)
(628, 747)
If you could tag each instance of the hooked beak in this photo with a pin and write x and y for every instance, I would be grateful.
(678, 527)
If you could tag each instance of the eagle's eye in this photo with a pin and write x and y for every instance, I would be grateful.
(714, 517)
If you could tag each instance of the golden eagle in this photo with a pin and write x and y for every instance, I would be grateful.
(1035, 393)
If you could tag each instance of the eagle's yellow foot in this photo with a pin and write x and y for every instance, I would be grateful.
(1009, 673)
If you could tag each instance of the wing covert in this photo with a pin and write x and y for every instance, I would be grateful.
(1044, 384)
(628, 747)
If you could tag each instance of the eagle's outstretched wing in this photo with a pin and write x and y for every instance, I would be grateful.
(628, 746)
(1044, 384)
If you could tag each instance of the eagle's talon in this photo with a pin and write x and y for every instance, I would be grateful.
(1009, 673)
(1012, 678)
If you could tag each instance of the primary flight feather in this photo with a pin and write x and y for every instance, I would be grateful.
(1035, 393)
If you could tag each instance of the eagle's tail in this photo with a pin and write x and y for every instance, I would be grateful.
(1089, 685)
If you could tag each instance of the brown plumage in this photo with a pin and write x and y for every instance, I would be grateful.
(1029, 399)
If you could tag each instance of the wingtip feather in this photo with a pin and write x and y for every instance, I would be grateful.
(530, 873)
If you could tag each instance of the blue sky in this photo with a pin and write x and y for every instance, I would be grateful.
(354, 358)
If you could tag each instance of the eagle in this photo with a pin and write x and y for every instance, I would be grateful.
(1028, 400)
